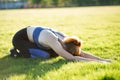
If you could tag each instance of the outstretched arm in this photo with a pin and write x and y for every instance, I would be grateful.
(90, 56)
(52, 40)
(54, 43)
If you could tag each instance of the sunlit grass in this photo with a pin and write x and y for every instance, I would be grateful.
(98, 27)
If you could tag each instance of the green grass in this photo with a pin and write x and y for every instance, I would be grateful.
(98, 27)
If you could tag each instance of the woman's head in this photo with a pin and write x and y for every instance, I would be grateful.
(72, 45)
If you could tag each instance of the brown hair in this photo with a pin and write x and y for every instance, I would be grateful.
(72, 45)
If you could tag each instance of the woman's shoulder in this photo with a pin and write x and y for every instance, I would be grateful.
(49, 35)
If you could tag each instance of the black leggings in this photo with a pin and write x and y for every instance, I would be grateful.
(21, 42)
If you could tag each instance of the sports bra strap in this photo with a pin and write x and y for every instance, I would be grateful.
(36, 34)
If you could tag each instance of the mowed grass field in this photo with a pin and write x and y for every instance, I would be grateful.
(98, 27)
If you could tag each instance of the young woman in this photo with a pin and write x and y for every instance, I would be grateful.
(43, 42)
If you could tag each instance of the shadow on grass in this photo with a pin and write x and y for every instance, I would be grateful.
(32, 68)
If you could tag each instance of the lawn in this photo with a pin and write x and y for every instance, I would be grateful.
(98, 27)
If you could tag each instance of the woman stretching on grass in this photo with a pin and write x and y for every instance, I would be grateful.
(44, 42)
